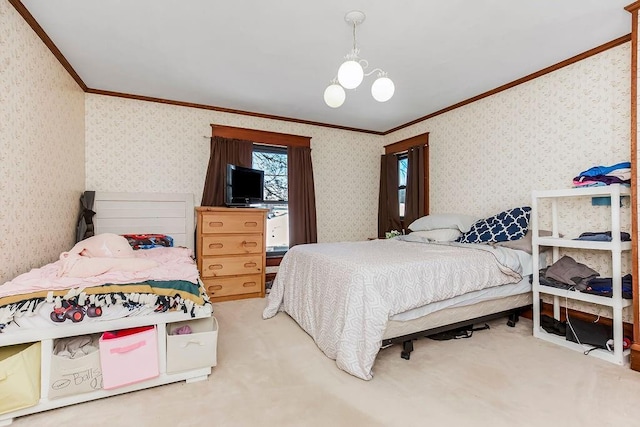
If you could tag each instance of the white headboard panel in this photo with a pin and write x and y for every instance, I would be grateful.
(146, 213)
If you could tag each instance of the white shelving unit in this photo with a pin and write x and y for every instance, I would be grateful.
(615, 247)
(46, 337)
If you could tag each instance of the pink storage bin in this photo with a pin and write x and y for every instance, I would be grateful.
(129, 358)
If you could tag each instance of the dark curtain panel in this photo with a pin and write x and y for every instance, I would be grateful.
(388, 205)
(414, 202)
(302, 197)
(223, 151)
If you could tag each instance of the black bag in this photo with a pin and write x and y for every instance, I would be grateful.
(456, 334)
(595, 334)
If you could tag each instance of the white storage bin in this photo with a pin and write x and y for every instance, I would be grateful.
(129, 359)
(195, 350)
(19, 376)
(78, 375)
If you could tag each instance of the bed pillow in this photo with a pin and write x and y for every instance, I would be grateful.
(441, 235)
(524, 244)
(440, 221)
(511, 224)
(148, 241)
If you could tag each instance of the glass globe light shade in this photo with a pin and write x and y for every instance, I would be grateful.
(350, 74)
(382, 89)
(334, 95)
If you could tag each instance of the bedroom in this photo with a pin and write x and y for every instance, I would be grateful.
(94, 141)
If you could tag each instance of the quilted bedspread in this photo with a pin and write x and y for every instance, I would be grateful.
(342, 294)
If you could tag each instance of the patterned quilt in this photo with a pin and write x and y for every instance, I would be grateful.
(172, 284)
(342, 294)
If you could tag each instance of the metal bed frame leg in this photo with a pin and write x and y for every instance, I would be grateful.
(513, 319)
(407, 348)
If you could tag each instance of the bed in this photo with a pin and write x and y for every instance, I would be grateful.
(355, 297)
(77, 297)
(63, 292)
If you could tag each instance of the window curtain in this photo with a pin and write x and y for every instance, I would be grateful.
(388, 205)
(414, 201)
(302, 197)
(223, 151)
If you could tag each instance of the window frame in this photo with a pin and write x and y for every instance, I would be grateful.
(266, 138)
(401, 156)
(402, 147)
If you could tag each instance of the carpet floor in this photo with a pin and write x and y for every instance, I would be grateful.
(270, 373)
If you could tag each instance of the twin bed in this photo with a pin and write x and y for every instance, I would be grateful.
(103, 284)
(109, 285)
(355, 297)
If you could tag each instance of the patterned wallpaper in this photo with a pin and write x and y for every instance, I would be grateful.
(485, 157)
(41, 149)
(489, 155)
(143, 146)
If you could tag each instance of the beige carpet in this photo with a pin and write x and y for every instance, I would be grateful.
(270, 373)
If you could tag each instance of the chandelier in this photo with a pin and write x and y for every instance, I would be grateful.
(352, 72)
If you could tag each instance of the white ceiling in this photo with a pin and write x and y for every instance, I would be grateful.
(276, 57)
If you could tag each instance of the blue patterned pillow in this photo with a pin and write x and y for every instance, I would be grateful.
(508, 225)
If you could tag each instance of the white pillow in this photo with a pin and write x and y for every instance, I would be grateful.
(438, 221)
(441, 235)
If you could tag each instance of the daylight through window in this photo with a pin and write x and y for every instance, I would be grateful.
(273, 161)
(403, 161)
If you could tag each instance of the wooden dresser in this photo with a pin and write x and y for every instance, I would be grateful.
(231, 254)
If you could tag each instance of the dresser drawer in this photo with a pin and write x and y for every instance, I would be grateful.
(221, 287)
(232, 222)
(225, 244)
(231, 266)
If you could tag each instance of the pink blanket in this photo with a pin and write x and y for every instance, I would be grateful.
(164, 263)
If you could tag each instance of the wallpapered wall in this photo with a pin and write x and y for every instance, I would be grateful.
(489, 155)
(143, 146)
(41, 149)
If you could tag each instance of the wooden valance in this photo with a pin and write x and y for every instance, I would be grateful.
(261, 136)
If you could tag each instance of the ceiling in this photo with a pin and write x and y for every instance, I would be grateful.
(276, 57)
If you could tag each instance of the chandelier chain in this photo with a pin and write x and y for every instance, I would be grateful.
(355, 24)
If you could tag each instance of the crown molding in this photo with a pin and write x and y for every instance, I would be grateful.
(22, 10)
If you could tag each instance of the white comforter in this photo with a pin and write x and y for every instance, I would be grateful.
(342, 294)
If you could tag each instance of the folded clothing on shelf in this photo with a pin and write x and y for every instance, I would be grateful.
(604, 286)
(569, 272)
(603, 236)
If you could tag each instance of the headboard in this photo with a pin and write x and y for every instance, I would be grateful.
(146, 213)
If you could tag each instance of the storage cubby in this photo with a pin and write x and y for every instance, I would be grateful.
(19, 376)
(75, 375)
(32, 372)
(193, 350)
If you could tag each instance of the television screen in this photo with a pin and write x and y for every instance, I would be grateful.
(244, 186)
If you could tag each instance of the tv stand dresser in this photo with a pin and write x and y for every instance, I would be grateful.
(231, 251)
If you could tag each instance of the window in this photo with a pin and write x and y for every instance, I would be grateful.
(403, 161)
(273, 161)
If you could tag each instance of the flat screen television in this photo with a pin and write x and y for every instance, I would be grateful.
(244, 186)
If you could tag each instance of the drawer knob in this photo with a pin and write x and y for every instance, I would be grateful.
(250, 264)
(215, 287)
(249, 244)
(215, 267)
(250, 224)
(216, 223)
(216, 246)
(249, 284)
